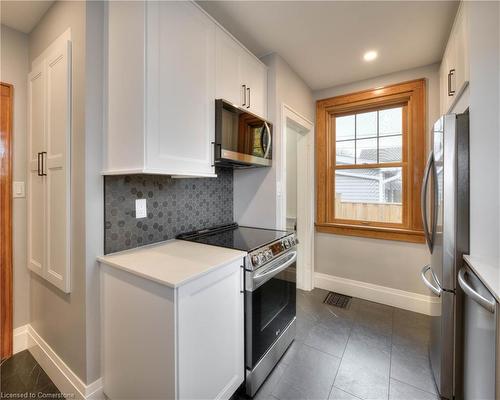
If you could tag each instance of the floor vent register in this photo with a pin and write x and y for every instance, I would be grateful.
(337, 300)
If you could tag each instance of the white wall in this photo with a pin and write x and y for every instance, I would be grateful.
(484, 129)
(14, 70)
(387, 263)
(256, 195)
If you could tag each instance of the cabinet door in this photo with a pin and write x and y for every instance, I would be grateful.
(36, 182)
(461, 51)
(229, 62)
(449, 74)
(210, 335)
(255, 77)
(57, 168)
(180, 99)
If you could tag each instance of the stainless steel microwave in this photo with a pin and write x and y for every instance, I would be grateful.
(242, 139)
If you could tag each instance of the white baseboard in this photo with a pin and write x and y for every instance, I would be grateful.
(381, 294)
(64, 378)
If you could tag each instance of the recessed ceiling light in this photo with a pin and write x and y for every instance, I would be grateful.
(370, 55)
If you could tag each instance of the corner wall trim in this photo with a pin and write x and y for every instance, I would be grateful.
(20, 342)
(25, 337)
(381, 294)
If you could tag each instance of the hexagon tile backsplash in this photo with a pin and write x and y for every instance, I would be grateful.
(173, 206)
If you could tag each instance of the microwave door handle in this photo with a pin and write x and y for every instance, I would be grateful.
(268, 133)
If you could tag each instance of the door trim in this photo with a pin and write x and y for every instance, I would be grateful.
(305, 212)
(6, 223)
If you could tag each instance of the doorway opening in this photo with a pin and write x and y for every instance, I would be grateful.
(297, 194)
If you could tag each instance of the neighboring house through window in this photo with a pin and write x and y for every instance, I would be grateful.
(370, 158)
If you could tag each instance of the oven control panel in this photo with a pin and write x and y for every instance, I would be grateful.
(267, 253)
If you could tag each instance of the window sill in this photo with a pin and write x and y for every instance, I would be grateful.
(401, 235)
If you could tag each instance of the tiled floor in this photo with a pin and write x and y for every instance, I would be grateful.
(368, 351)
(22, 375)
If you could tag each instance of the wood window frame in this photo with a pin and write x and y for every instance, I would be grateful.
(412, 95)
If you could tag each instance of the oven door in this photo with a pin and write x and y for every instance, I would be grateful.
(241, 137)
(269, 304)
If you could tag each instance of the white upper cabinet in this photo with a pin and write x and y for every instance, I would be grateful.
(255, 75)
(161, 89)
(240, 77)
(180, 89)
(167, 62)
(229, 65)
(454, 70)
(49, 143)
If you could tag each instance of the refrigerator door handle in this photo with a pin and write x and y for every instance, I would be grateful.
(435, 289)
(469, 291)
(423, 202)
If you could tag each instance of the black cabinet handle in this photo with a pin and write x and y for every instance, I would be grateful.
(43, 153)
(450, 74)
(249, 102)
(244, 95)
(38, 167)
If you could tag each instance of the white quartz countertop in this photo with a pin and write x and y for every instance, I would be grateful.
(488, 271)
(172, 263)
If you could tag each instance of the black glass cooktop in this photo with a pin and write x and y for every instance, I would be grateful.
(235, 237)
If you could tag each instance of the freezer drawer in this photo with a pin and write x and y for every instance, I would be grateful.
(480, 330)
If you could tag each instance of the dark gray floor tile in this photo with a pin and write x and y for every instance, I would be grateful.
(402, 391)
(22, 374)
(337, 394)
(309, 373)
(365, 367)
(411, 329)
(291, 351)
(303, 327)
(362, 380)
(331, 340)
(371, 337)
(411, 366)
(267, 388)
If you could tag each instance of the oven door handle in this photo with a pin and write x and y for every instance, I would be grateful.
(262, 277)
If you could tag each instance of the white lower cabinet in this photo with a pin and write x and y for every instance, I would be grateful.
(161, 342)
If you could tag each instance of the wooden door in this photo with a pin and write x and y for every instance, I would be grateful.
(35, 184)
(6, 219)
(57, 168)
(180, 89)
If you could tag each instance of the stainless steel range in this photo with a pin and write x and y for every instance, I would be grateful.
(270, 292)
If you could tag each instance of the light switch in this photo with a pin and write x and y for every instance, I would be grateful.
(140, 208)
(18, 189)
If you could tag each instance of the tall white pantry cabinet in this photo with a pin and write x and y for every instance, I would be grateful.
(49, 141)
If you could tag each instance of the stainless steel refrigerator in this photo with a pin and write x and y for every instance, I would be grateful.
(445, 215)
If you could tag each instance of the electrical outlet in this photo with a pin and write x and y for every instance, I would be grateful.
(140, 208)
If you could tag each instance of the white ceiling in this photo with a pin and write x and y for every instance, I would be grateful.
(23, 15)
(324, 41)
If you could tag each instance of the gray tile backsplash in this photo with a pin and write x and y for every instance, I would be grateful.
(173, 205)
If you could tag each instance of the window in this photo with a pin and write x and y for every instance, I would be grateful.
(370, 158)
